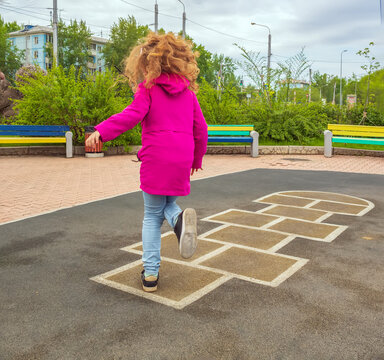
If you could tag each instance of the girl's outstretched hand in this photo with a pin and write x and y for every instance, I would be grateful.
(193, 170)
(93, 139)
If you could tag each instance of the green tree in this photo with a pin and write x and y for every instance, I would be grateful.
(293, 68)
(369, 68)
(10, 57)
(124, 36)
(73, 44)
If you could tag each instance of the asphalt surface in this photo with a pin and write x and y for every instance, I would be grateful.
(332, 308)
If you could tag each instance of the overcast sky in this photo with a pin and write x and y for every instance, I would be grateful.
(324, 28)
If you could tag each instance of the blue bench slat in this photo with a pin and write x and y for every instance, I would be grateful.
(32, 133)
(45, 128)
(230, 139)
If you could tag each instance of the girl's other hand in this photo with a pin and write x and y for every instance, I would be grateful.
(93, 139)
(193, 170)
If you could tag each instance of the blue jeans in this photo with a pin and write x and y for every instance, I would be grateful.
(156, 209)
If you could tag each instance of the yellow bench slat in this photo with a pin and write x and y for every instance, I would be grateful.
(362, 128)
(32, 140)
(228, 128)
(357, 133)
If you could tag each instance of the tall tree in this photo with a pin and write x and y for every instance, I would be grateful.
(124, 36)
(10, 57)
(372, 66)
(293, 68)
(73, 44)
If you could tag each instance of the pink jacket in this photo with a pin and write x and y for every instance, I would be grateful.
(174, 134)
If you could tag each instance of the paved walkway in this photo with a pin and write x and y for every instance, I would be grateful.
(36, 185)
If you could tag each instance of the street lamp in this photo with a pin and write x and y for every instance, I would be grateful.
(269, 50)
(184, 17)
(341, 77)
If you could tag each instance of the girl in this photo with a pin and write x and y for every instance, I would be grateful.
(163, 72)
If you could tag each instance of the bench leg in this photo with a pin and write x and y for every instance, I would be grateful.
(68, 144)
(328, 143)
(255, 144)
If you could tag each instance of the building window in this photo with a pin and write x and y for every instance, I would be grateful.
(35, 54)
(99, 68)
(99, 48)
(49, 38)
(36, 40)
(92, 46)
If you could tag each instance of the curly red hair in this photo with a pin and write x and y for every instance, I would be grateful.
(158, 54)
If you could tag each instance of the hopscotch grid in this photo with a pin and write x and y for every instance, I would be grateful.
(325, 216)
(313, 203)
(205, 235)
(330, 237)
(245, 247)
(225, 275)
(210, 218)
(282, 243)
(289, 272)
(274, 222)
(369, 205)
(211, 254)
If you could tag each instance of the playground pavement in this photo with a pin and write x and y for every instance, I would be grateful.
(36, 185)
(289, 263)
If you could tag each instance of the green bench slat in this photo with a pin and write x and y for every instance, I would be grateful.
(230, 139)
(347, 140)
(228, 132)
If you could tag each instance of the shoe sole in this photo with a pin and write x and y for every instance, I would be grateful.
(188, 237)
(149, 289)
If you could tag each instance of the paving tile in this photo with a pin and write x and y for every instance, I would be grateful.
(339, 208)
(297, 213)
(285, 200)
(170, 249)
(176, 281)
(26, 179)
(327, 196)
(304, 228)
(260, 239)
(244, 218)
(253, 264)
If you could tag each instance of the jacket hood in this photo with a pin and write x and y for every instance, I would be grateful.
(172, 83)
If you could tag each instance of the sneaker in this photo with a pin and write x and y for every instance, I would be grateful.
(150, 282)
(185, 230)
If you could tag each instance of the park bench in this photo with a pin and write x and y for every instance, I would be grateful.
(37, 134)
(352, 134)
(234, 134)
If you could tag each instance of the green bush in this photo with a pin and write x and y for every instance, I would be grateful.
(69, 98)
(289, 122)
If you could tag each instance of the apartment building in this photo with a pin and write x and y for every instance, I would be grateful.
(33, 38)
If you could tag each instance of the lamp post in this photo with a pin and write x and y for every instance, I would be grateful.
(54, 23)
(269, 50)
(341, 77)
(184, 17)
(156, 17)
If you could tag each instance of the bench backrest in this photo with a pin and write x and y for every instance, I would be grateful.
(356, 130)
(33, 130)
(239, 130)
